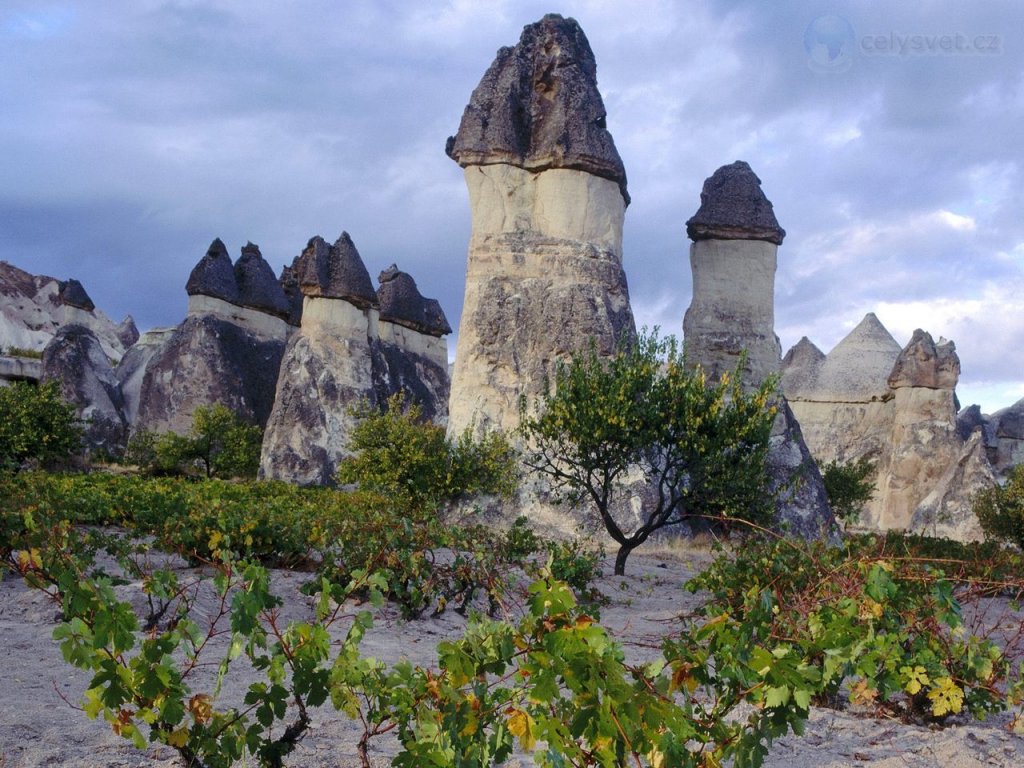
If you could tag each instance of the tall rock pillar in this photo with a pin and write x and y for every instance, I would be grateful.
(547, 191)
(733, 257)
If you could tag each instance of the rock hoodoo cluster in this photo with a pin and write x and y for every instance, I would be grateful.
(228, 350)
(547, 192)
(733, 259)
(544, 281)
(869, 397)
(353, 344)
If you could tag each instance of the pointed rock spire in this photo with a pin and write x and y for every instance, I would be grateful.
(800, 368)
(214, 275)
(538, 107)
(72, 294)
(401, 302)
(733, 207)
(258, 288)
(858, 368)
(335, 272)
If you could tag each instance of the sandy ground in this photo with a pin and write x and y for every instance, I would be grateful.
(39, 728)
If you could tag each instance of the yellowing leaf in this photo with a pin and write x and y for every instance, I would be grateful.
(178, 738)
(201, 708)
(916, 678)
(946, 697)
(521, 725)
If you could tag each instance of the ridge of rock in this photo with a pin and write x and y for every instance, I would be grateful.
(734, 207)
(538, 107)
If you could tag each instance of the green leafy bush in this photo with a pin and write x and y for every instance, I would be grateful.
(703, 446)
(849, 487)
(36, 425)
(888, 631)
(1000, 510)
(219, 443)
(397, 453)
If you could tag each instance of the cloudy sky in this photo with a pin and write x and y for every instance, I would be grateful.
(133, 132)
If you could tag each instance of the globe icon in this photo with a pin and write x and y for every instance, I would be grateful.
(829, 42)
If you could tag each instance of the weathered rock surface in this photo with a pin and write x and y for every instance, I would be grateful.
(547, 196)
(335, 272)
(1005, 438)
(131, 370)
(326, 369)
(869, 398)
(348, 350)
(538, 107)
(228, 350)
(733, 259)
(208, 360)
(946, 510)
(734, 207)
(415, 356)
(33, 307)
(75, 358)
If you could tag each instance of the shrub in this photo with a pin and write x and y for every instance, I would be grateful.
(702, 446)
(219, 442)
(1000, 510)
(849, 487)
(397, 453)
(36, 425)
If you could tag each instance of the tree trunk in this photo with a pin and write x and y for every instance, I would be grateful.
(620, 558)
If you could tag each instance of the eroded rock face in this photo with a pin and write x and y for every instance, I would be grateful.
(228, 350)
(327, 368)
(131, 370)
(208, 360)
(547, 197)
(34, 307)
(733, 259)
(76, 358)
(538, 107)
(346, 352)
(870, 398)
(1005, 438)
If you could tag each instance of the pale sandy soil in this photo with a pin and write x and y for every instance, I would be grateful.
(38, 728)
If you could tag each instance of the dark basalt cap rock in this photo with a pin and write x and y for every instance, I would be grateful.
(258, 288)
(402, 303)
(72, 294)
(214, 275)
(923, 363)
(733, 207)
(289, 281)
(335, 272)
(538, 107)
